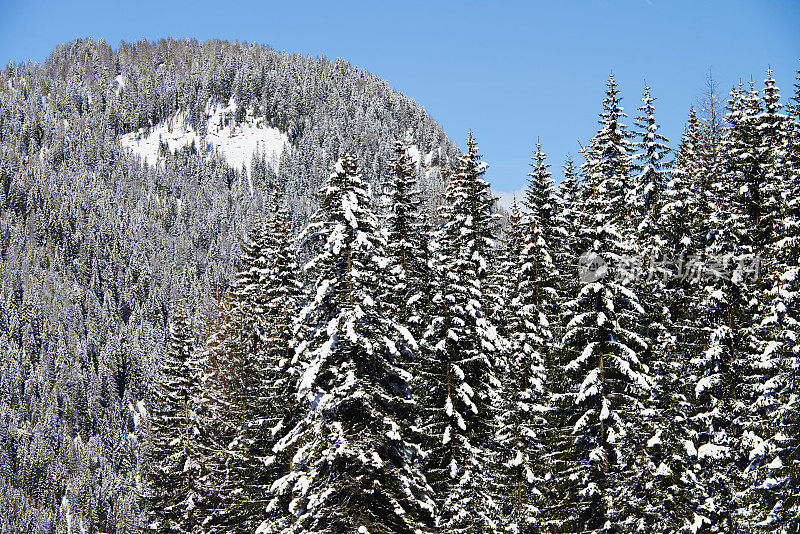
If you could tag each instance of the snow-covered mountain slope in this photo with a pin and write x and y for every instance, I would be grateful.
(236, 143)
(100, 249)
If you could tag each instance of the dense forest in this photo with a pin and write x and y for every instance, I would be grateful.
(97, 248)
(357, 341)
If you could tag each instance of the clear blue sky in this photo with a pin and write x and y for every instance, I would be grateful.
(511, 71)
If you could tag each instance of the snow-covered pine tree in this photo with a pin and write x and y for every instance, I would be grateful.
(512, 498)
(567, 215)
(171, 491)
(232, 378)
(463, 347)
(283, 296)
(665, 486)
(678, 222)
(784, 469)
(353, 470)
(678, 211)
(539, 199)
(260, 400)
(501, 280)
(405, 240)
(718, 369)
(530, 334)
(611, 170)
(650, 167)
(603, 341)
(774, 319)
(539, 278)
(678, 219)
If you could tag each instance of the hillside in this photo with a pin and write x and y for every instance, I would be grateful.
(130, 177)
(237, 297)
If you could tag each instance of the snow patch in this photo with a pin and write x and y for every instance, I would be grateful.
(709, 450)
(414, 154)
(699, 521)
(655, 440)
(776, 463)
(119, 82)
(770, 483)
(235, 143)
(663, 470)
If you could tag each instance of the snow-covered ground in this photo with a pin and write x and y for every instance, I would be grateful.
(236, 144)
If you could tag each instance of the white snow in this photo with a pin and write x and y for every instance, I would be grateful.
(663, 470)
(699, 521)
(414, 154)
(120, 83)
(67, 511)
(770, 483)
(707, 382)
(236, 144)
(709, 450)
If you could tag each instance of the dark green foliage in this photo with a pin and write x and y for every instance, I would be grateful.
(172, 494)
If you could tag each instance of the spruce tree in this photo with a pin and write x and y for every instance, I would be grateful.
(663, 204)
(719, 367)
(567, 221)
(650, 171)
(785, 467)
(172, 493)
(651, 165)
(672, 448)
(602, 409)
(531, 338)
(771, 340)
(353, 470)
(464, 347)
(406, 240)
(264, 401)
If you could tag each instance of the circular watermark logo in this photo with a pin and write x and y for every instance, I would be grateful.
(591, 267)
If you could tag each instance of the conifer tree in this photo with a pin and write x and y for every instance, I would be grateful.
(464, 347)
(567, 219)
(679, 210)
(603, 341)
(719, 367)
(609, 158)
(405, 239)
(172, 493)
(650, 171)
(771, 339)
(531, 347)
(500, 282)
(567, 247)
(651, 165)
(234, 377)
(663, 204)
(252, 348)
(672, 448)
(353, 470)
(782, 478)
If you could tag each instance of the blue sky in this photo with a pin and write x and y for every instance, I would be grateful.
(511, 71)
